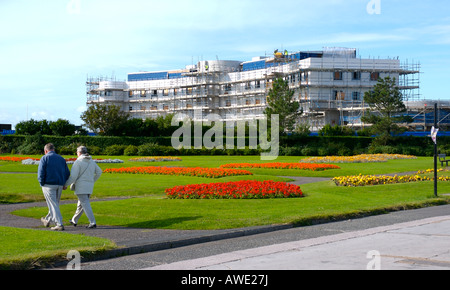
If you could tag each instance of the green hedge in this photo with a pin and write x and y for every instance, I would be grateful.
(152, 146)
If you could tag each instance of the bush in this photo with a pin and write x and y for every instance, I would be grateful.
(33, 145)
(94, 150)
(131, 150)
(149, 149)
(69, 149)
(309, 151)
(115, 150)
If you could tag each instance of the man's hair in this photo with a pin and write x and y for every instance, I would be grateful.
(49, 147)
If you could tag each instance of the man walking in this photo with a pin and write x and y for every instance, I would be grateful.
(52, 175)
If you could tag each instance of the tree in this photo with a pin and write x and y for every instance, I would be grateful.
(62, 127)
(280, 101)
(104, 119)
(386, 103)
(33, 127)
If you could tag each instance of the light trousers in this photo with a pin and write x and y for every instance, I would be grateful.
(52, 194)
(84, 205)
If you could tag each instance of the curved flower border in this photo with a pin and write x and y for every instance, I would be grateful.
(280, 165)
(367, 180)
(186, 171)
(362, 158)
(155, 159)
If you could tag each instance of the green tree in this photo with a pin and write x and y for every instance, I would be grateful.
(104, 119)
(280, 101)
(62, 127)
(386, 103)
(33, 127)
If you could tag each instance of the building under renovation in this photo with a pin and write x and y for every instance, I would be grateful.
(329, 84)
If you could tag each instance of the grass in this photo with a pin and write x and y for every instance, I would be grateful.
(323, 200)
(29, 249)
(150, 209)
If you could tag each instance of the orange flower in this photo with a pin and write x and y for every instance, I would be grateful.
(187, 171)
(280, 165)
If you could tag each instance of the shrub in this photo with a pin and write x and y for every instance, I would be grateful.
(33, 145)
(149, 149)
(131, 150)
(68, 150)
(115, 150)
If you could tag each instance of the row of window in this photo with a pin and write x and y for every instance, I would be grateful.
(356, 76)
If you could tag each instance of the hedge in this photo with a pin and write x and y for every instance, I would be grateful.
(289, 146)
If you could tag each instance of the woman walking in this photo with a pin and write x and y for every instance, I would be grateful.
(85, 172)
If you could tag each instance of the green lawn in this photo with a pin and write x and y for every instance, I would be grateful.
(28, 248)
(150, 209)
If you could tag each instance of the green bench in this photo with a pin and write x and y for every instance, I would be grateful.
(442, 159)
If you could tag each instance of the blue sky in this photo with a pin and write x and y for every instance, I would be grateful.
(48, 48)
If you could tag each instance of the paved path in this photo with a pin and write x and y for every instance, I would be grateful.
(420, 245)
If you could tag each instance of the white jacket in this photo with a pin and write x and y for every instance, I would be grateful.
(85, 172)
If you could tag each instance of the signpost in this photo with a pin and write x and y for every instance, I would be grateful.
(434, 132)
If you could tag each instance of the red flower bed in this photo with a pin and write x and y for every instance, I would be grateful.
(188, 171)
(245, 189)
(15, 159)
(279, 165)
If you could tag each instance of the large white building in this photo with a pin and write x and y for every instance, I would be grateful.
(329, 84)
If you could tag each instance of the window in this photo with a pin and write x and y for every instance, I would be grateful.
(355, 96)
(339, 95)
(338, 76)
(374, 76)
(356, 75)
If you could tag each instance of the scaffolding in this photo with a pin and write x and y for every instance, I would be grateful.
(329, 85)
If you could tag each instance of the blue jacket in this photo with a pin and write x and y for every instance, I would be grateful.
(53, 170)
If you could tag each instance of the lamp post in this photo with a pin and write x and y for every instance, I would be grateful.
(435, 151)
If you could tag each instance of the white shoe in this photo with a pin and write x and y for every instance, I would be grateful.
(58, 228)
(45, 222)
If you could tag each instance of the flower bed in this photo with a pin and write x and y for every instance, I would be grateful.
(187, 171)
(15, 159)
(363, 158)
(155, 159)
(31, 161)
(245, 189)
(279, 165)
(365, 180)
